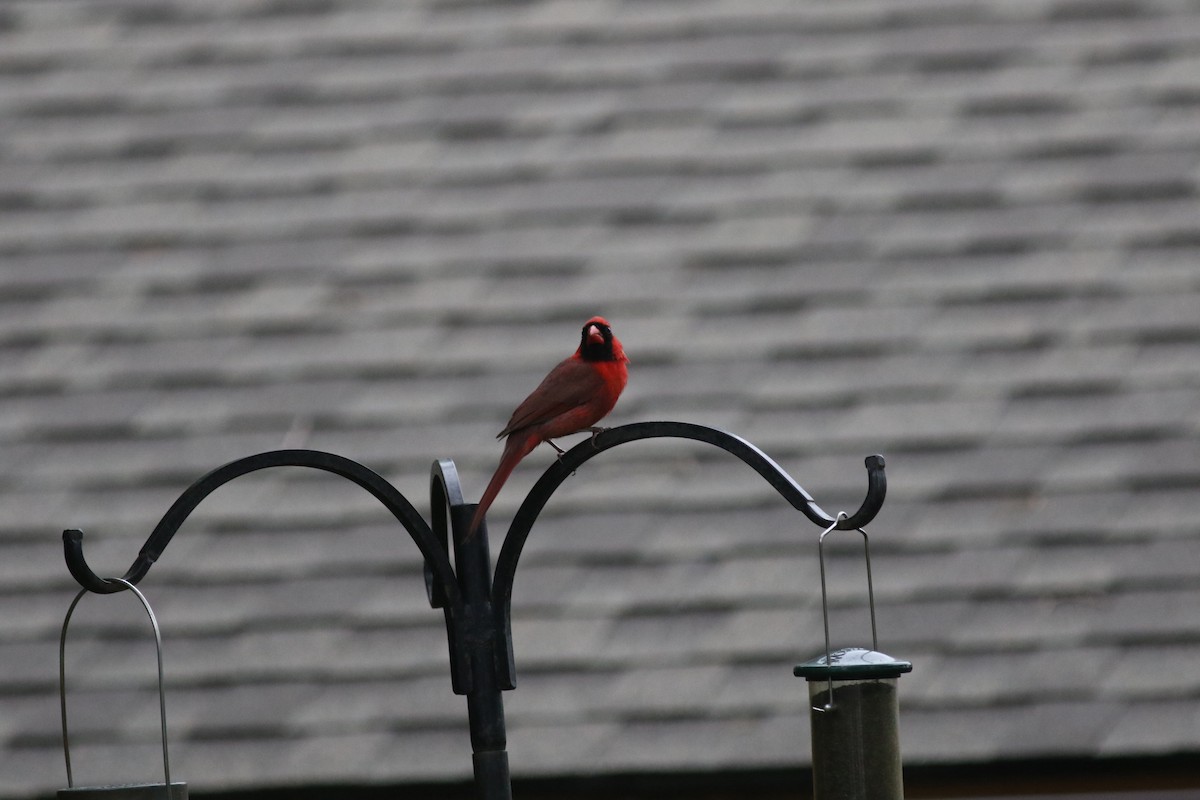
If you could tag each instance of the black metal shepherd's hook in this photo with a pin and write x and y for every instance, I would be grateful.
(475, 601)
(539, 495)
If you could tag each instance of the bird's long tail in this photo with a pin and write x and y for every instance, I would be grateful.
(517, 446)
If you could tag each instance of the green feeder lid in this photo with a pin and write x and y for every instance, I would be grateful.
(852, 663)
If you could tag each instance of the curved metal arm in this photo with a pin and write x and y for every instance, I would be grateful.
(794, 493)
(383, 491)
(783, 483)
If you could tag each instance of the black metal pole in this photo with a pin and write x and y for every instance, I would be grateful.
(485, 706)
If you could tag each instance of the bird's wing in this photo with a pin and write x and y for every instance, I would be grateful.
(569, 385)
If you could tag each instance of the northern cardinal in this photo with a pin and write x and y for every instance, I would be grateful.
(574, 396)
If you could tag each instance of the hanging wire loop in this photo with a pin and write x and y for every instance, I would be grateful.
(825, 602)
(121, 584)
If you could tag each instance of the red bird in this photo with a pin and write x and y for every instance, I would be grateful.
(576, 395)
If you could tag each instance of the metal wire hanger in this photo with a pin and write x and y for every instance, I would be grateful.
(169, 790)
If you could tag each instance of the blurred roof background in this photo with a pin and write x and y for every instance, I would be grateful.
(963, 234)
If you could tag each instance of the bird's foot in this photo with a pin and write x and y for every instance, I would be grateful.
(596, 432)
(560, 452)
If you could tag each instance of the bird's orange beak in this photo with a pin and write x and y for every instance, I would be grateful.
(594, 335)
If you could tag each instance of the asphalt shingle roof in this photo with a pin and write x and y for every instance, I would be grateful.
(961, 234)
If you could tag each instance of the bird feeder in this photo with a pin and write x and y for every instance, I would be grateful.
(167, 790)
(854, 712)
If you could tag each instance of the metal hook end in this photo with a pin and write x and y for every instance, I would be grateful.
(87, 578)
